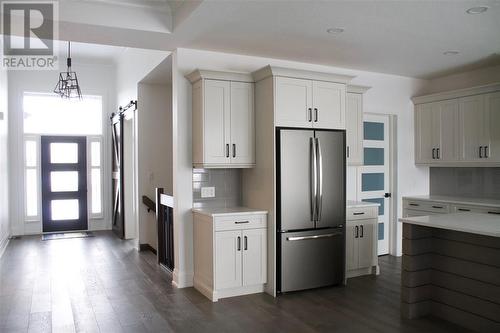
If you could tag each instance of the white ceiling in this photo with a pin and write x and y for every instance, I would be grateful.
(89, 53)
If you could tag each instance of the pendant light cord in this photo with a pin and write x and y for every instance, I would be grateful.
(68, 62)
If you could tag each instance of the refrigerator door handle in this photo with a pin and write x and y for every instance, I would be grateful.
(319, 165)
(299, 238)
(313, 181)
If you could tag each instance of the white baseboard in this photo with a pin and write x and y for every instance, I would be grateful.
(182, 279)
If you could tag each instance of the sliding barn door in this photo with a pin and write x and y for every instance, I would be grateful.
(118, 218)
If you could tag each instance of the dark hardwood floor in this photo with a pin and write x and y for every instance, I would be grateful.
(102, 284)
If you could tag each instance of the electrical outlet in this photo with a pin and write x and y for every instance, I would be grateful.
(208, 192)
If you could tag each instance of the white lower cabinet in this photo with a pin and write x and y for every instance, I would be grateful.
(361, 242)
(230, 254)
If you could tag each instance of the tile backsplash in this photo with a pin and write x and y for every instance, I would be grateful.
(227, 183)
(468, 182)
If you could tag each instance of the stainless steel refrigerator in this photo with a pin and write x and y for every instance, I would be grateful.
(311, 208)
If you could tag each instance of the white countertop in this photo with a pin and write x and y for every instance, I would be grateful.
(360, 204)
(457, 200)
(228, 211)
(474, 223)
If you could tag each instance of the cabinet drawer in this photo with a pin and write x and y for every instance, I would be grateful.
(361, 213)
(239, 222)
(476, 209)
(434, 207)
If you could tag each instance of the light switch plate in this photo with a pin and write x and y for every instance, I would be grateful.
(208, 192)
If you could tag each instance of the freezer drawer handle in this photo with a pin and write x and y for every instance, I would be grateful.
(313, 237)
(241, 222)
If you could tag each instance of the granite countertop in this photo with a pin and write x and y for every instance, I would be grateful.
(474, 223)
(457, 200)
(360, 204)
(228, 211)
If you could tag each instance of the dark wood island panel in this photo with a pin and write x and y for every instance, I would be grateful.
(452, 275)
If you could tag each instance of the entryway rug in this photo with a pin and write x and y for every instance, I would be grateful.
(67, 235)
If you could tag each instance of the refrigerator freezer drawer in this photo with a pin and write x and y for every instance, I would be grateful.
(311, 259)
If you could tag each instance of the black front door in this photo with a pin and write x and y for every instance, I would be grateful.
(64, 183)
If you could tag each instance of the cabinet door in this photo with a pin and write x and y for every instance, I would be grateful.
(242, 123)
(254, 256)
(424, 128)
(354, 129)
(228, 247)
(351, 246)
(448, 131)
(492, 127)
(471, 126)
(328, 105)
(216, 120)
(366, 243)
(293, 102)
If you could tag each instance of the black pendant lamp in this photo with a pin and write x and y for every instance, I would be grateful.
(68, 86)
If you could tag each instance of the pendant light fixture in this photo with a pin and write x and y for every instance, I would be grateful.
(68, 86)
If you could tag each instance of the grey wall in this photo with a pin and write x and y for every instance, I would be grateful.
(4, 158)
(470, 182)
(227, 184)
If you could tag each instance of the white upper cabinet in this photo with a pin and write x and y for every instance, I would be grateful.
(459, 130)
(223, 120)
(354, 124)
(293, 102)
(328, 104)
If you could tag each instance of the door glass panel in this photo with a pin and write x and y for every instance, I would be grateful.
(63, 152)
(95, 153)
(381, 227)
(380, 201)
(64, 181)
(374, 156)
(65, 209)
(31, 192)
(372, 182)
(96, 191)
(31, 153)
(373, 131)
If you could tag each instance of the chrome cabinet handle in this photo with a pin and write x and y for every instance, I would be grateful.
(315, 115)
(246, 243)
(227, 149)
(234, 150)
(333, 234)
(239, 243)
(319, 199)
(357, 231)
(309, 114)
(361, 231)
(313, 181)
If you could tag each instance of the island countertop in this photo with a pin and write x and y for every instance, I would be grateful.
(474, 223)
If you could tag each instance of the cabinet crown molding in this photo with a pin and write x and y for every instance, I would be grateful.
(357, 89)
(441, 96)
(299, 74)
(200, 74)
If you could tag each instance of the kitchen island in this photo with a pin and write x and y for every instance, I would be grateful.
(451, 269)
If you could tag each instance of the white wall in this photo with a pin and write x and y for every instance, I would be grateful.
(154, 151)
(390, 94)
(469, 79)
(4, 177)
(95, 79)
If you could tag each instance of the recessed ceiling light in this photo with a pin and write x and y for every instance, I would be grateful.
(477, 10)
(335, 31)
(451, 52)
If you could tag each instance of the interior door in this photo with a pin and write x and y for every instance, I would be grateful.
(242, 123)
(118, 218)
(295, 179)
(328, 105)
(64, 183)
(374, 176)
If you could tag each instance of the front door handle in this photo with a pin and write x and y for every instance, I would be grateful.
(387, 195)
